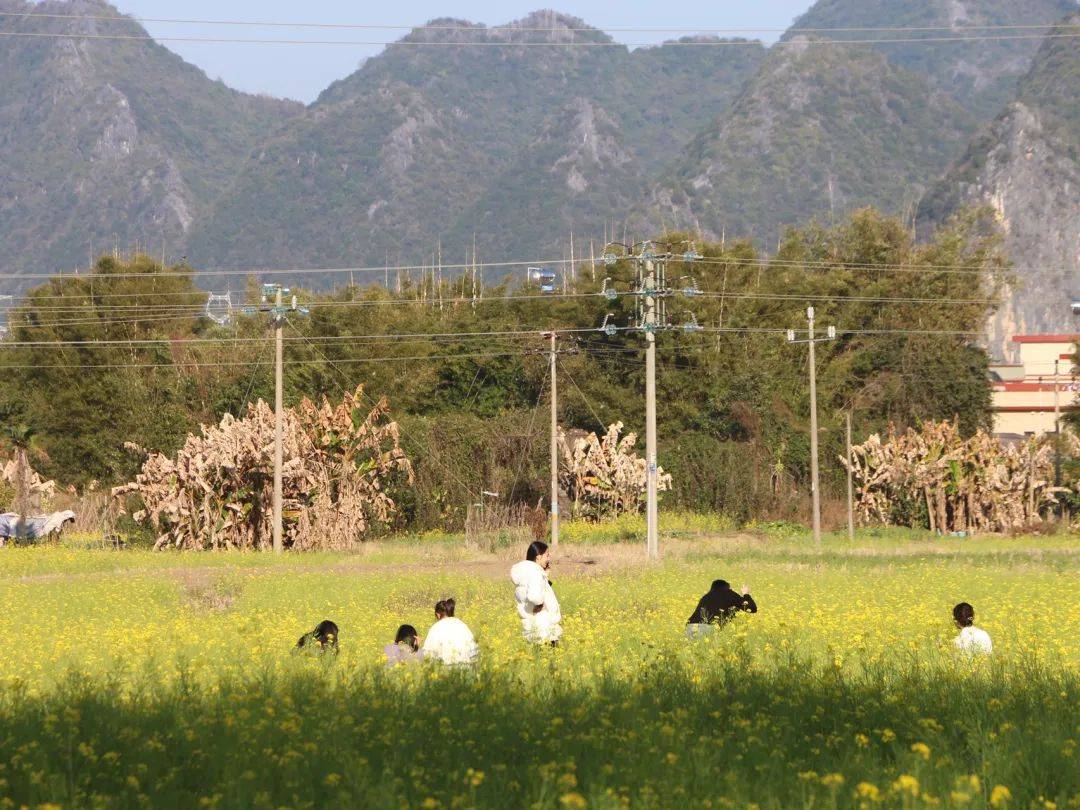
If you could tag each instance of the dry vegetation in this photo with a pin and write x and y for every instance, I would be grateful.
(978, 484)
(603, 476)
(217, 493)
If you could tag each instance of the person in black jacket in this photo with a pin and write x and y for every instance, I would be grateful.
(718, 606)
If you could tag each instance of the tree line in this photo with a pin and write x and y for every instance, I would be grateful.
(470, 396)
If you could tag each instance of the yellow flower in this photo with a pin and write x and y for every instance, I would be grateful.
(331, 779)
(573, 800)
(1000, 796)
(905, 783)
(921, 749)
(832, 780)
(868, 790)
(959, 797)
(887, 735)
(672, 758)
(862, 740)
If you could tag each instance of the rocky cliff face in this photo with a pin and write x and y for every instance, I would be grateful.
(1026, 167)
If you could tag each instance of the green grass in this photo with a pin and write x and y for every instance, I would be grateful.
(132, 679)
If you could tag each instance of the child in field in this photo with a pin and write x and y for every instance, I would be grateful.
(324, 638)
(536, 603)
(719, 606)
(406, 647)
(449, 640)
(971, 639)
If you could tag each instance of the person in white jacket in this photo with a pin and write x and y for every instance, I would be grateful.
(449, 640)
(537, 605)
(971, 639)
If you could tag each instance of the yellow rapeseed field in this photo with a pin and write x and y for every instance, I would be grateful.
(164, 680)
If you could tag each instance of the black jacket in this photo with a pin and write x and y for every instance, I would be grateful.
(719, 605)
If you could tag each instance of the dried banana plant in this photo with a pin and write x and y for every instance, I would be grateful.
(603, 476)
(976, 484)
(217, 492)
(16, 475)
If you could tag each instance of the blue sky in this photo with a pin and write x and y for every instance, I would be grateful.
(302, 71)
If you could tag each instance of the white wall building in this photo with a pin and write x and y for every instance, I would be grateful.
(1023, 394)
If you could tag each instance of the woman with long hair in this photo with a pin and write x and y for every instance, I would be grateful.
(537, 605)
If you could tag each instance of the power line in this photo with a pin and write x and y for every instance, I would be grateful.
(246, 363)
(358, 338)
(253, 271)
(762, 262)
(736, 294)
(510, 27)
(315, 341)
(518, 43)
(848, 298)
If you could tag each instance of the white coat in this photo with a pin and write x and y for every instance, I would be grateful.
(450, 641)
(973, 640)
(532, 589)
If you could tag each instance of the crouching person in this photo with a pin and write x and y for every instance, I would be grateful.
(449, 640)
(718, 607)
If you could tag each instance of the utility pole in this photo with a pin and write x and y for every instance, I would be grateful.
(1057, 430)
(277, 312)
(554, 448)
(652, 293)
(279, 377)
(815, 494)
(850, 488)
(652, 526)
(545, 280)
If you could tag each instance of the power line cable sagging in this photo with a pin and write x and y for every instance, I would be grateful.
(511, 27)
(551, 42)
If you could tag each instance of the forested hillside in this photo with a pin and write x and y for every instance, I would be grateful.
(980, 74)
(431, 149)
(426, 145)
(819, 130)
(107, 143)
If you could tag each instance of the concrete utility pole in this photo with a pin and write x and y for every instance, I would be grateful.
(279, 384)
(850, 488)
(277, 311)
(815, 493)
(652, 524)
(554, 447)
(1057, 427)
(651, 292)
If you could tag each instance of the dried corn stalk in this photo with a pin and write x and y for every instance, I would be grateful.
(603, 477)
(971, 485)
(217, 492)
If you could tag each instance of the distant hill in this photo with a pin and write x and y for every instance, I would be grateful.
(429, 145)
(981, 74)
(819, 130)
(1026, 166)
(104, 142)
(434, 147)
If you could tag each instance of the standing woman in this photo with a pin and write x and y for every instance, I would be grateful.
(536, 602)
